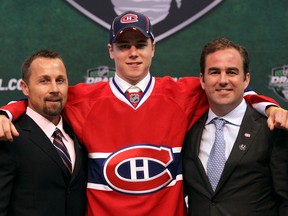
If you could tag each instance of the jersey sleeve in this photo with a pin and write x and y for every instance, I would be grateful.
(194, 101)
(259, 102)
(15, 109)
(77, 92)
(80, 100)
(196, 104)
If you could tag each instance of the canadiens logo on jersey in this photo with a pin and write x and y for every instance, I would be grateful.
(137, 169)
(167, 17)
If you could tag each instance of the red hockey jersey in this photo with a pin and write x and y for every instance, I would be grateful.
(134, 153)
(135, 163)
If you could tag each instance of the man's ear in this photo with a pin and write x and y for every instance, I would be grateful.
(110, 50)
(25, 88)
(247, 80)
(153, 48)
(202, 81)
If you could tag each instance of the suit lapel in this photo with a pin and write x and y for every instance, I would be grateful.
(244, 140)
(39, 138)
(198, 129)
(78, 149)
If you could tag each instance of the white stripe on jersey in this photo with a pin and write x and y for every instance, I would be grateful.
(107, 188)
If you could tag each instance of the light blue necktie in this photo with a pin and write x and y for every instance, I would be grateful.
(216, 160)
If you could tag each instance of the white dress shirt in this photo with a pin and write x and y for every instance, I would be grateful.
(230, 129)
(48, 128)
(124, 86)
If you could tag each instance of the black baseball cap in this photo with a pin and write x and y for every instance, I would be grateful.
(130, 20)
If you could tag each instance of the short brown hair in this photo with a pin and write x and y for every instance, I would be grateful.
(220, 44)
(40, 54)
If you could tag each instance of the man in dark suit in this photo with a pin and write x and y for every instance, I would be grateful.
(36, 179)
(253, 180)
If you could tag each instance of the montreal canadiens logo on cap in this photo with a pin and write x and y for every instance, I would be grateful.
(129, 18)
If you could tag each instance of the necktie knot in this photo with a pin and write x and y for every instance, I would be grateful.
(57, 133)
(133, 89)
(219, 123)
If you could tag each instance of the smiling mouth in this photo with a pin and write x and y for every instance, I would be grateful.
(53, 100)
(134, 63)
(222, 90)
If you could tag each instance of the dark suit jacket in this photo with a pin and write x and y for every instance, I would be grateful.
(255, 177)
(34, 180)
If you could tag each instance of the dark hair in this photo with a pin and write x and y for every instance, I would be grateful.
(221, 44)
(40, 54)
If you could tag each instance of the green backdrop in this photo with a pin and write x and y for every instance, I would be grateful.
(28, 26)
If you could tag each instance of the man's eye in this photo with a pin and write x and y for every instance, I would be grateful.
(213, 72)
(124, 46)
(140, 46)
(232, 72)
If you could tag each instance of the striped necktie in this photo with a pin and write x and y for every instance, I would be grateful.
(61, 149)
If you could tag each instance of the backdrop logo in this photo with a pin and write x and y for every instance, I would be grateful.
(98, 74)
(167, 16)
(12, 84)
(279, 81)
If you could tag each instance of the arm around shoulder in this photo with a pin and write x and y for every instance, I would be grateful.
(7, 129)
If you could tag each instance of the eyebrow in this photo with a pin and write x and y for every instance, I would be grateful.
(228, 68)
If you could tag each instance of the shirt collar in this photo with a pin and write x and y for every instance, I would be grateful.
(47, 126)
(234, 117)
(123, 85)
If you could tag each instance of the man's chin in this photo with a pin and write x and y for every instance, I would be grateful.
(53, 110)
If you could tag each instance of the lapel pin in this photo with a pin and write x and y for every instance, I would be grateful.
(247, 135)
(242, 147)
